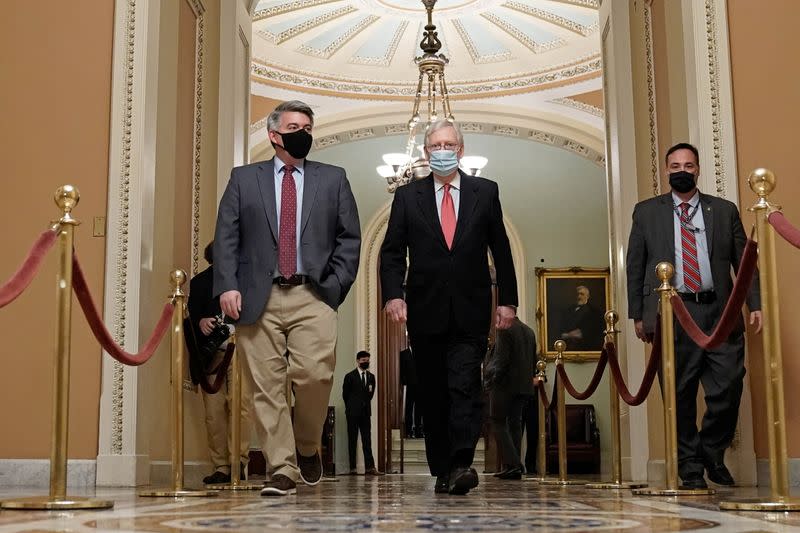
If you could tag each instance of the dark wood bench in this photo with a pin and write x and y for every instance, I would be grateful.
(583, 440)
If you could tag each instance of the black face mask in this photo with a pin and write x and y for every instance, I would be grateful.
(297, 143)
(682, 181)
(363, 366)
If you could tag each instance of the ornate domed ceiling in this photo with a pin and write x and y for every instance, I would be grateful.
(366, 48)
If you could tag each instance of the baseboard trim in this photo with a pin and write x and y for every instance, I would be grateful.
(123, 470)
(193, 473)
(36, 472)
(762, 472)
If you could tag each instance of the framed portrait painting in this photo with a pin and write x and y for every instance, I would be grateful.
(571, 306)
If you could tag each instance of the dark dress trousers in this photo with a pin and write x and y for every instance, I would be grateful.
(721, 370)
(358, 411)
(449, 298)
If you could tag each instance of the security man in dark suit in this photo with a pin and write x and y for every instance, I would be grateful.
(702, 235)
(445, 225)
(357, 391)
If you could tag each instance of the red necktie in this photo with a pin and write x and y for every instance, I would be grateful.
(287, 238)
(448, 216)
(691, 268)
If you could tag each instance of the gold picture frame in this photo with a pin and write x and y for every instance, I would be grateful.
(561, 315)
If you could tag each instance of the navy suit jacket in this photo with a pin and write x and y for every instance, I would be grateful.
(246, 237)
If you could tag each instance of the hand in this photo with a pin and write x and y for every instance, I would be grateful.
(231, 303)
(207, 325)
(504, 316)
(638, 325)
(755, 318)
(396, 310)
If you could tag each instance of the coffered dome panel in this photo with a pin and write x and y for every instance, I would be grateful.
(366, 48)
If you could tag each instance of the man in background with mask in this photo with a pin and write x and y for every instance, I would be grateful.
(445, 224)
(286, 252)
(357, 391)
(703, 237)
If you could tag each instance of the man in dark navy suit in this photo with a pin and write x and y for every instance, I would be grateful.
(357, 391)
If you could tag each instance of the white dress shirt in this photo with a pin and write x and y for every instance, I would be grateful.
(706, 281)
(455, 193)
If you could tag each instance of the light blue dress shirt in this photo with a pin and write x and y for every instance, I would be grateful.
(706, 281)
(455, 193)
(298, 184)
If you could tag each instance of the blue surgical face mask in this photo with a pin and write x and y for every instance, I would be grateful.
(443, 162)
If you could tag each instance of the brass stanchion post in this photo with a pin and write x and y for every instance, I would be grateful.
(178, 278)
(561, 410)
(66, 198)
(762, 182)
(665, 271)
(612, 333)
(235, 392)
(541, 447)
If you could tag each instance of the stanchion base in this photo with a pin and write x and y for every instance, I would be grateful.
(562, 482)
(673, 492)
(610, 485)
(755, 504)
(536, 479)
(50, 504)
(242, 485)
(170, 493)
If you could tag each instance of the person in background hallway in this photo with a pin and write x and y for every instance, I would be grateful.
(446, 224)
(508, 375)
(287, 248)
(357, 390)
(413, 412)
(203, 310)
(702, 235)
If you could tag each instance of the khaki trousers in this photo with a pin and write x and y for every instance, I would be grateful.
(293, 342)
(218, 417)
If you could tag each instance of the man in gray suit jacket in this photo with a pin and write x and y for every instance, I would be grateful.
(701, 235)
(286, 252)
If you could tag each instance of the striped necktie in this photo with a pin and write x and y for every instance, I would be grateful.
(691, 268)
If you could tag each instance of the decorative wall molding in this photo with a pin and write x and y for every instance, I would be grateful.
(288, 33)
(524, 38)
(564, 22)
(340, 40)
(386, 58)
(583, 3)
(199, 11)
(651, 99)
(582, 106)
(476, 56)
(288, 7)
(712, 39)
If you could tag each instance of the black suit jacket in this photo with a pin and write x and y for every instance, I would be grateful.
(201, 304)
(652, 240)
(440, 279)
(357, 398)
(511, 365)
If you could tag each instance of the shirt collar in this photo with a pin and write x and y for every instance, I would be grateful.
(693, 201)
(456, 183)
(279, 164)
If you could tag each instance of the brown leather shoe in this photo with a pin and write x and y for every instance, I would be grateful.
(374, 472)
(279, 485)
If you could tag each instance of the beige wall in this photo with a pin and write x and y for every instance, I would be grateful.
(54, 100)
(765, 89)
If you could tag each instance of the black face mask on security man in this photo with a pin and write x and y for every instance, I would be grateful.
(682, 181)
(363, 366)
(297, 143)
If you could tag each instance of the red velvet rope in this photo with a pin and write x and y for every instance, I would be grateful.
(20, 280)
(598, 374)
(784, 228)
(543, 395)
(733, 307)
(220, 372)
(649, 373)
(102, 335)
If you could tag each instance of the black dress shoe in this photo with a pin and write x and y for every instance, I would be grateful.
(442, 485)
(511, 473)
(217, 478)
(462, 480)
(719, 474)
(694, 481)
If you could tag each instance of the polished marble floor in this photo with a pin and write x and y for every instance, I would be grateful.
(404, 503)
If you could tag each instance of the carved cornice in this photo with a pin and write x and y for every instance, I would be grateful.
(552, 17)
(269, 73)
(473, 50)
(581, 106)
(329, 50)
(521, 36)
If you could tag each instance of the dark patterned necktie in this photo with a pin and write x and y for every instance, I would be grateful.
(287, 238)
(691, 268)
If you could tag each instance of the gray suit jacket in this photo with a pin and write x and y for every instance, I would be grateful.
(246, 238)
(652, 240)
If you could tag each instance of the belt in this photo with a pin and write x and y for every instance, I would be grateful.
(292, 281)
(705, 297)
